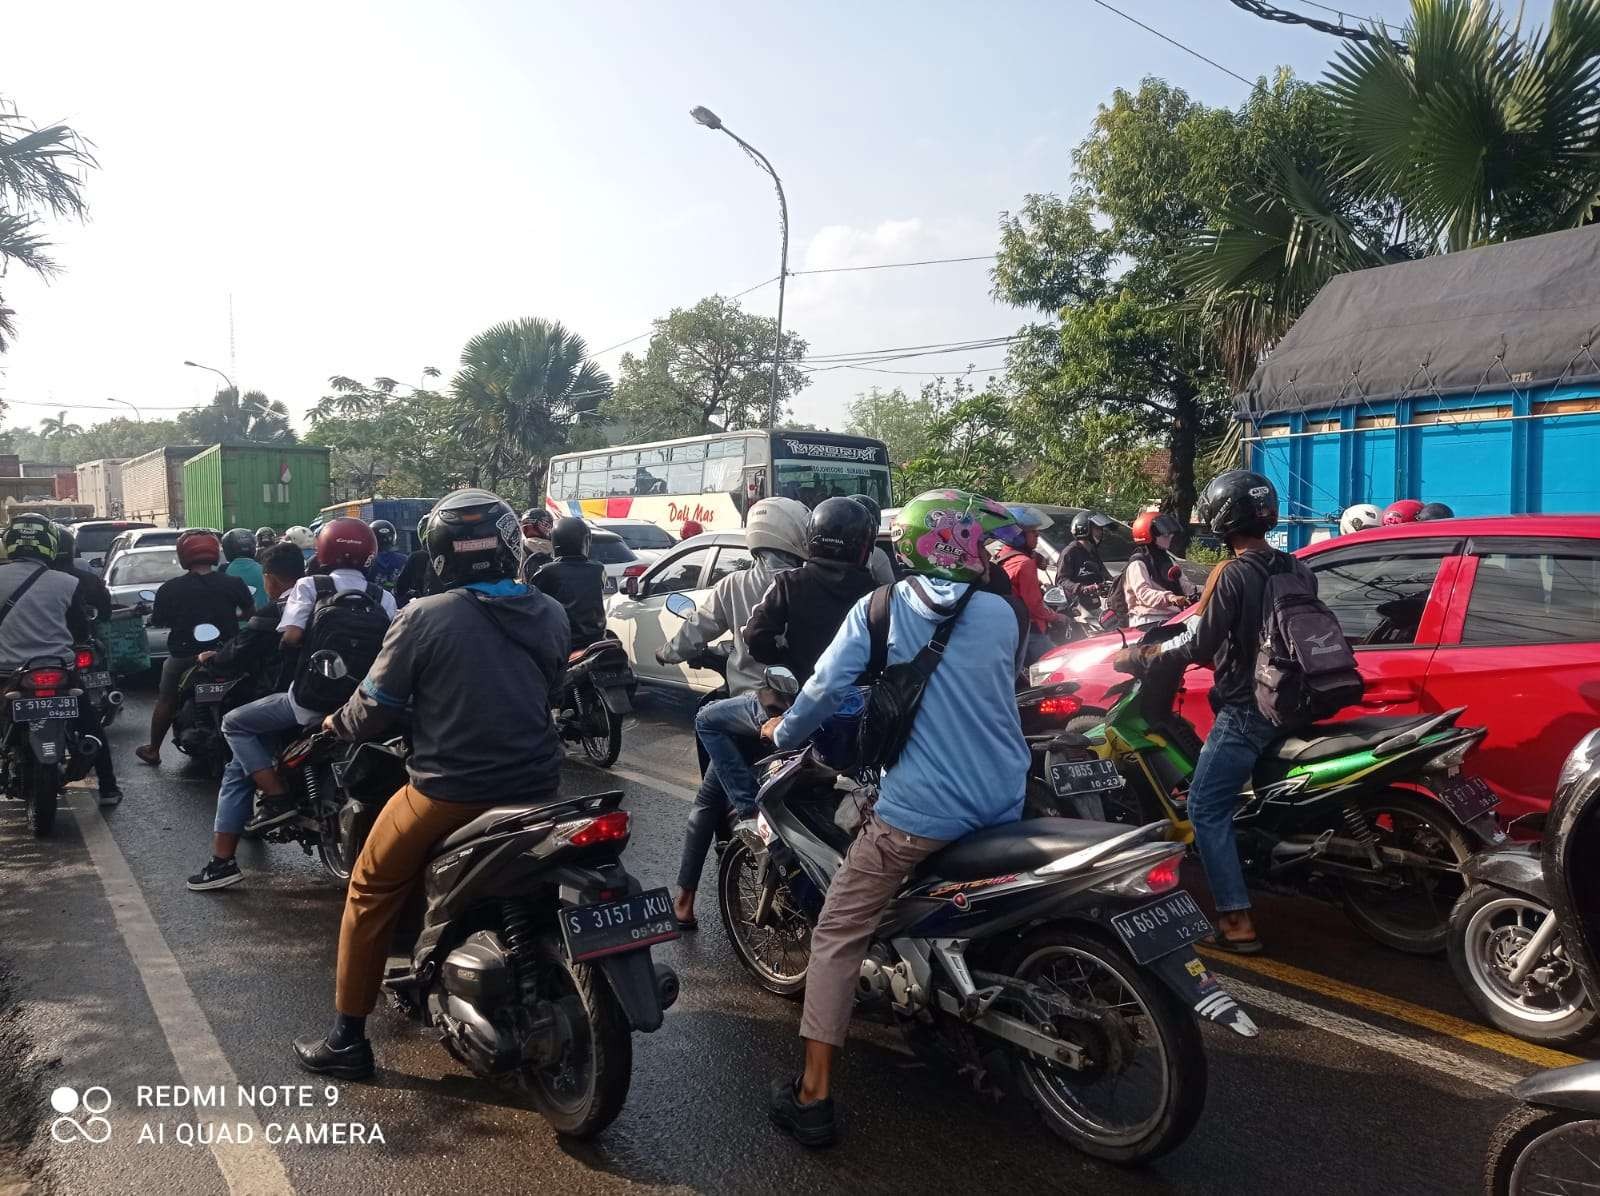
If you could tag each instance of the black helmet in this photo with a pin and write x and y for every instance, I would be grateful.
(66, 548)
(265, 537)
(840, 530)
(1434, 510)
(570, 537)
(473, 535)
(239, 542)
(871, 504)
(537, 522)
(32, 535)
(1086, 521)
(1239, 502)
(386, 533)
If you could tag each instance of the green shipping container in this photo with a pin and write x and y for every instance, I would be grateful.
(255, 485)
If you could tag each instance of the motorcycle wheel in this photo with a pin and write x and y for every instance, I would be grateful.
(1542, 1150)
(1163, 1052)
(1416, 917)
(1487, 928)
(330, 850)
(777, 956)
(583, 1093)
(602, 747)
(41, 784)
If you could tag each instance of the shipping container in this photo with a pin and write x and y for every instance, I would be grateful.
(255, 485)
(66, 486)
(1467, 378)
(100, 484)
(20, 488)
(404, 513)
(152, 485)
(61, 512)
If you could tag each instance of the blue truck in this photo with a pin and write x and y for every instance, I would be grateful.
(1467, 378)
(404, 513)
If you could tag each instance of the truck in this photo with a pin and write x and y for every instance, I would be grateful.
(404, 513)
(152, 485)
(1467, 378)
(100, 485)
(255, 485)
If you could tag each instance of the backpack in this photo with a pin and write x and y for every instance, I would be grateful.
(1305, 669)
(898, 688)
(351, 623)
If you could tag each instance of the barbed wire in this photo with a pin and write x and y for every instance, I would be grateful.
(1282, 16)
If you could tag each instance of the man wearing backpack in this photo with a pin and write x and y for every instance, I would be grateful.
(1240, 507)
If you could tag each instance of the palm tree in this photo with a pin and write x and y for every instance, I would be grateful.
(58, 428)
(231, 419)
(524, 386)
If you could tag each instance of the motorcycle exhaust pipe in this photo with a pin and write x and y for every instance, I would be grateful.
(114, 698)
(666, 986)
(90, 745)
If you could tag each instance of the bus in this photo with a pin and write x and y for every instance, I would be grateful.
(714, 479)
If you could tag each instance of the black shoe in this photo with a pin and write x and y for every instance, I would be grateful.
(270, 812)
(811, 1124)
(110, 797)
(353, 1062)
(218, 874)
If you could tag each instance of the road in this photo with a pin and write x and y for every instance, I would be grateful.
(1370, 1073)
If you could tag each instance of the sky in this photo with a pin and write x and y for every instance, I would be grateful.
(365, 185)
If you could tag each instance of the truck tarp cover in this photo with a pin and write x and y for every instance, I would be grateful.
(1522, 314)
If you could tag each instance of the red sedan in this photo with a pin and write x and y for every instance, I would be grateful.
(1500, 615)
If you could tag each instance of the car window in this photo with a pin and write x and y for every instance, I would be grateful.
(1378, 596)
(680, 573)
(1534, 598)
(610, 550)
(730, 559)
(642, 535)
(144, 568)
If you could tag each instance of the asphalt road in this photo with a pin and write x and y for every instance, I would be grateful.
(1370, 1073)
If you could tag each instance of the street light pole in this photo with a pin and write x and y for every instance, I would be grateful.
(218, 373)
(711, 120)
(128, 405)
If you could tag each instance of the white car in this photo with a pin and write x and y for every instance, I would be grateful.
(648, 541)
(139, 570)
(639, 617)
(611, 551)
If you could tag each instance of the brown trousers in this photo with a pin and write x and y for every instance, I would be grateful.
(387, 869)
(877, 864)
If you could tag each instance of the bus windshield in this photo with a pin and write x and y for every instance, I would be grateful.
(813, 481)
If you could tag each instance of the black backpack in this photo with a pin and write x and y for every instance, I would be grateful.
(898, 688)
(352, 624)
(1305, 669)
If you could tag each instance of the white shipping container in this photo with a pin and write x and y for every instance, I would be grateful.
(152, 485)
(100, 484)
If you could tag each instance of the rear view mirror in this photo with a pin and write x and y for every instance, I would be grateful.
(147, 595)
(206, 633)
(1055, 596)
(630, 586)
(91, 614)
(328, 664)
(782, 681)
(681, 605)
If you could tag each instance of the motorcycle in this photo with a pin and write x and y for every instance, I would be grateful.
(1051, 957)
(532, 960)
(1088, 610)
(1550, 1143)
(204, 696)
(1372, 811)
(1047, 713)
(41, 745)
(99, 687)
(595, 698)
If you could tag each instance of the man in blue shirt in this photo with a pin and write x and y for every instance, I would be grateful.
(239, 546)
(387, 564)
(963, 768)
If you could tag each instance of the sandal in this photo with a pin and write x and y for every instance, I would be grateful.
(1243, 946)
(148, 755)
(687, 927)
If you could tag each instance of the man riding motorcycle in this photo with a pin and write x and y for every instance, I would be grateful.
(1152, 593)
(964, 766)
(477, 665)
(575, 581)
(386, 566)
(878, 564)
(1018, 541)
(239, 547)
(92, 595)
(1081, 565)
(537, 551)
(417, 578)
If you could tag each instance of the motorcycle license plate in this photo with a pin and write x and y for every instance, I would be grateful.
(210, 691)
(33, 710)
(1161, 927)
(1084, 776)
(1467, 797)
(97, 680)
(590, 931)
(606, 678)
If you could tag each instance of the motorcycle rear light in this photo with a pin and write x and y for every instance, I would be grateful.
(84, 659)
(607, 828)
(1065, 706)
(1164, 875)
(45, 678)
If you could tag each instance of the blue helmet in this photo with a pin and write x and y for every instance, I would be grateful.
(1024, 520)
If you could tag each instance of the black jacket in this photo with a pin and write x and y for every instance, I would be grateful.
(802, 612)
(255, 652)
(579, 585)
(1082, 565)
(92, 593)
(416, 578)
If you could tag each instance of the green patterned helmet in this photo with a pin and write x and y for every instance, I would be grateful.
(32, 535)
(942, 533)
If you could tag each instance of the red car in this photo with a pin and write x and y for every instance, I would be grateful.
(1500, 615)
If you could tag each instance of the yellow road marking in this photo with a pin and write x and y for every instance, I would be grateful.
(1405, 1011)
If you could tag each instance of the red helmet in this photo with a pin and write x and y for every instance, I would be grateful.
(346, 543)
(1402, 510)
(199, 548)
(1150, 524)
(690, 529)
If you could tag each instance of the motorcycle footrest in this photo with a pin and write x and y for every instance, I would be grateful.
(978, 1002)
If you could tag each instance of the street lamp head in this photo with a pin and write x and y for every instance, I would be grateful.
(706, 117)
(195, 364)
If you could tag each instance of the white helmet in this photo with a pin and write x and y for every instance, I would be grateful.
(1358, 518)
(300, 537)
(779, 523)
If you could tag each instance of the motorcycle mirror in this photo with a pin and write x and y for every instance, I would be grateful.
(681, 605)
(782, 681)
(1055, 596)
(329, 664)
(147, 595)
(91, 614)
(1175, 574)
(206, 633)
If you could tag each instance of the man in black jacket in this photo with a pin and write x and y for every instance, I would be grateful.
(94, 596)
(575, 581)
(416, 576)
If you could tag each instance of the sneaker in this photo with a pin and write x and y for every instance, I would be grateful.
(218, 874)
(270, 812)
(808, 1124)
(109, 798)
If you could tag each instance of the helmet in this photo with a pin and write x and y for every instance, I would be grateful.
(840, 530)
(240, 542)
(1358, 518)
(198, 547)
(265, 537)
(1085, 521)
(32, 535)
(300, 536)
(778, 523)
(690, 529)
(422, 529)
(871, 504)
(473, 535)
(570, 537)
(537, 522)
(1402, 510)
(1151, 524)
(940, 533)
(385, 533)
(66, 548)
(345, 543)
(1434, 510)
(1020, 520)
(1239, 502)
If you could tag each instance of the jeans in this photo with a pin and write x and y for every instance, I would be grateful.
(1236, 742)
(724, 729)
(235, 799)
(245, 728)
(705, 816)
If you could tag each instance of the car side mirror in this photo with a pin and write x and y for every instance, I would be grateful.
(681, 605)
(781, 681)
(98, 562)
(630, 586)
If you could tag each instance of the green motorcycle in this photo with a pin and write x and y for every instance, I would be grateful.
(1370, 811)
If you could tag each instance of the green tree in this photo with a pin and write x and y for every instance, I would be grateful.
(387, 441)
(232, 419)
(707, 367)
(58, 427)
(902, 422)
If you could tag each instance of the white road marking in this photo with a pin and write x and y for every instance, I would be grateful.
(671, 788)
(254, 1167)
(1412, 1050)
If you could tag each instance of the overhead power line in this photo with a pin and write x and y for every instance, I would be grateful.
(1175, 42)
(1283, 16)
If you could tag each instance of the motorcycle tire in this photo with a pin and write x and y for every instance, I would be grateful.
(1519, 1132)
(739, 863)
(1428, 939)
(1169, 1020)
(1492, 1006)
(330, 851)
(42, 786)
(603, 749)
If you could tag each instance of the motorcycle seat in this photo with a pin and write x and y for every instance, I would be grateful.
(489, 820)
(1015, 847)
(1323, 741)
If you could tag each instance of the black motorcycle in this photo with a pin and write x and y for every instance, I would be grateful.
(532, 960)
(94, 670)
(592, 703)
(204, 696)
(42, 743)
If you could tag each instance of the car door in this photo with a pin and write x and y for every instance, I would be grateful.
(1522, 654)
(651, 623)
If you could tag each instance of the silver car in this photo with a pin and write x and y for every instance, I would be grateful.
(135, 571)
